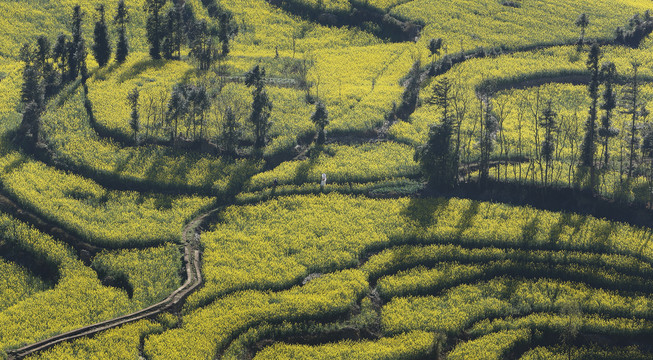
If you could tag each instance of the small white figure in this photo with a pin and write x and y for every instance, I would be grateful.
(323, 182)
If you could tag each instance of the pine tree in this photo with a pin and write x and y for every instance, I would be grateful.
(121, 19)
(261, 106)
(582, 22)
(101, 45)
(633, 105)
(548, 123)
(154, 26)
(77, 48)
(438, 157)
(228, 29)
(321, 119)
(231, 133)
(59, 54)
(588, 148)
(607, 131)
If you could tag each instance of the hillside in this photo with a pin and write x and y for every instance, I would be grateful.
(320, 179)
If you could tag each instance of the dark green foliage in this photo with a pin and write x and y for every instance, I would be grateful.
(548, 123)
(199, 104)
(638, 28)
(59, 53)
(32, 90)
(101, 45)
(588, 147)
(202, 45)
(488, 133)
(121, 19)
(321, 119)
(582, 22)
(261, 106)
(607, 131)
(633, 105)
(177, 109)
(154, 26)
(228, 29)
(77, 49)
(411, 92)
(434, 46)
(231, 133)
(438, 157)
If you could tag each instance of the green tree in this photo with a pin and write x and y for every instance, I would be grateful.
(228, 29)
(588, 147)
(59, 54)
(202, 45)
(582, 22)
(549, 124)
(488, 132)
(320, 118)
(177, 109)
(231, 133)
(411, 92)
(607, 131)
(633, 105)
(434, 47)
(438, 158)
(261, 106)
(77, 49)
(101, 46)
(121, 19)
(154, 26)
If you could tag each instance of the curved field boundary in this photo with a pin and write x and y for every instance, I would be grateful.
(194, 279)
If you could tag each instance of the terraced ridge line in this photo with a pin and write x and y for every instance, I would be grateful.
(192, 259)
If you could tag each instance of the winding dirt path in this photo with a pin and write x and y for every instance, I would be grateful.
(192, 260)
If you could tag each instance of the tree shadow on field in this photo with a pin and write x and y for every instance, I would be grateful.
(304, 168)
(576, 222)
(467, 218)
(529, 231)
(425, 212)
(140, 67)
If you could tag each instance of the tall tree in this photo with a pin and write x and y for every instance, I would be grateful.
(177, 109)
(231, 133)
(632, 105)
(77, 49)
(588, 148)
(59, 54)
(228, 29)
(489, 128)
(154, 26)
(607, 131)
(321, 119)
(261, 106)
(202, 45)
(134, 119)
(548, 123)
(121, 19)
(582, 22)
(101, 45)
(438, 157)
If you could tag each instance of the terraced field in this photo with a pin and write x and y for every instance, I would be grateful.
(174, 236)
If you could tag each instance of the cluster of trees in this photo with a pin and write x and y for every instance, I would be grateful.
(168, 31)
(47, 69)
(590, 145)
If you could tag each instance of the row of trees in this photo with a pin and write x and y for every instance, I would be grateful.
(588, 148)
(168, 31)
(188, 105)
(47, 69)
